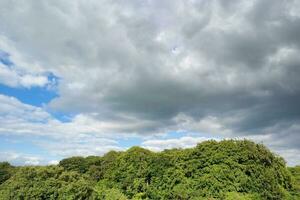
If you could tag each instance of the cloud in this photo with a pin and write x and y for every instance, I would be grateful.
(53, 162)
(20, 159)
(83, 135)
(86, 135)
(148, 67)
(183, 142)
(12, 78)
(86, 145)
(292, 156)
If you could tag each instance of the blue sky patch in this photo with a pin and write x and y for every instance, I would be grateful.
(4, 58)
(35, 96)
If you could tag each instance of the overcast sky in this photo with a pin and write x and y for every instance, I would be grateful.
(85, 77)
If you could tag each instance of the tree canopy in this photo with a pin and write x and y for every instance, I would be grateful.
(229, 169)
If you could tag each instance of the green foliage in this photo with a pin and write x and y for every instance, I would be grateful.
(295, 171)
(227, 170)
(241, 196)
(6, 171)
(46, 183)
(106, 193)
(210, 170)
(97, 166)
(76, 163)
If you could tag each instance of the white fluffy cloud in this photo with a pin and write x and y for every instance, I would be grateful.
(183, 142)
(20, 159)
(12, 78)
(83, 135)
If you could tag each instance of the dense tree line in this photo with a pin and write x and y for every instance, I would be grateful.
(229, 169)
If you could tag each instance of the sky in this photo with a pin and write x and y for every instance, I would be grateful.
(81, 78)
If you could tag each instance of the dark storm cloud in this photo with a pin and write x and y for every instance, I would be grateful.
(267, 91)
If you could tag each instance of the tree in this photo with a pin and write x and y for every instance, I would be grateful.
(6, 171)
(229, 169)
(76, 163)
